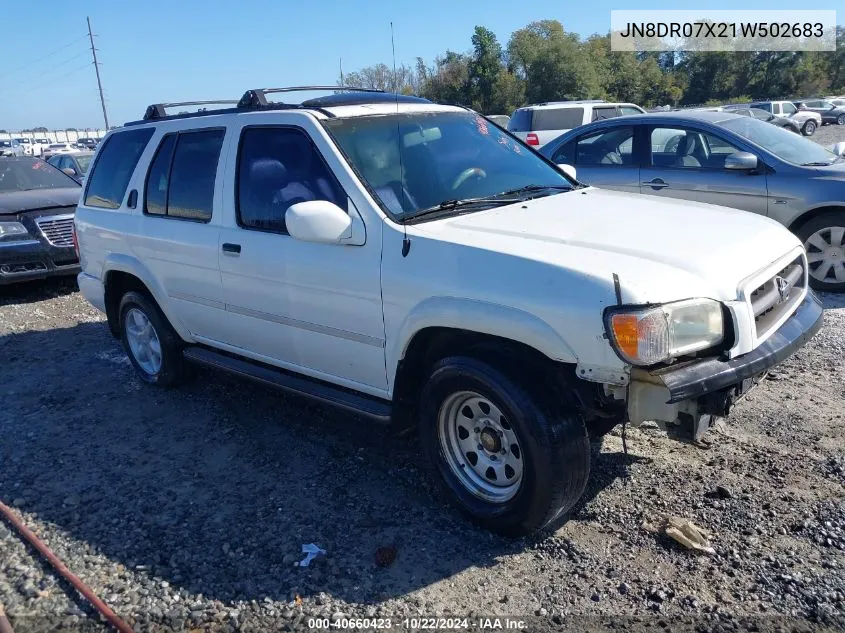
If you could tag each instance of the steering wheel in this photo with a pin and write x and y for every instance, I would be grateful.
(467, 174)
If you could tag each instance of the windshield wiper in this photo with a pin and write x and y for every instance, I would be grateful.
(818, 163)
(453, 205)
(532, 188)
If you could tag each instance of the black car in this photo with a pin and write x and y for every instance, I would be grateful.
(88, 143)
(829, 112)
(37, 205)
(768, 117)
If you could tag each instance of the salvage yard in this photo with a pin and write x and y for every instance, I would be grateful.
(189, 508)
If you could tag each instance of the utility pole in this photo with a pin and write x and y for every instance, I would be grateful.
(341, 71)
(97, 70)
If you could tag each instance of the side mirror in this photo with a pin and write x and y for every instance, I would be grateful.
(318, 221)
(839, 148)
(569, 170)
(70, 171)
(741, 160)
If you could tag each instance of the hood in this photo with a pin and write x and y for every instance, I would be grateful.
(18, 201)
(657, 246)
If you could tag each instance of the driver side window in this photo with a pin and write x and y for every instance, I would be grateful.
(608, 148)
(685, 148)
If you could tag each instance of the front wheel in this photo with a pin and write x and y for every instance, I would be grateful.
(511, 462)
(841, 119)
(809, 128)
(824, 241)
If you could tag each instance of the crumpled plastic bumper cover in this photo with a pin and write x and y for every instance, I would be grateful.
(701, 377)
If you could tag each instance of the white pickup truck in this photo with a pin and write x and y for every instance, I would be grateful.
(412, 262)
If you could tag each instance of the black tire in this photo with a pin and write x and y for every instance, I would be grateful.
(841, 119)
(555, 448)
(172, 370)
(809, 128)
(819, 223)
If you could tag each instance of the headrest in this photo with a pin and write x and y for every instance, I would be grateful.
(268, 172)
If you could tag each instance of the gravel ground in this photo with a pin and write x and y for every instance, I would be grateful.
(187, 509)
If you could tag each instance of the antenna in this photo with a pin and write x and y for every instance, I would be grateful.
(406, 243)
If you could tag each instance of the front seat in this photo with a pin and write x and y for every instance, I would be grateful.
(686, 148)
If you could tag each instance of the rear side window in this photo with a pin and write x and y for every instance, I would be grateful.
(111, 173)
(558, 119)
(600, 114)
(180, 183)
(520, 121)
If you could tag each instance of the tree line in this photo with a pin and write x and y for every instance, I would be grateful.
(543, 62)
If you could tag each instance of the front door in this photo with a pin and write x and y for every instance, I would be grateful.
(313, 308)
(688, 163)
(604, 159)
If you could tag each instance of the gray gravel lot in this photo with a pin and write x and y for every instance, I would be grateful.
(188, 508)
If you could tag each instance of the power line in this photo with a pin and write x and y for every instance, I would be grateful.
(35, 61)
(41, 77)
(54, 79)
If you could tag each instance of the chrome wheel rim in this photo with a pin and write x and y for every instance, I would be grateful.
(143, 341)
(826, 254)
(480, 446)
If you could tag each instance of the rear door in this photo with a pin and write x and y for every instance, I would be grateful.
(687, 162)
(605, 158)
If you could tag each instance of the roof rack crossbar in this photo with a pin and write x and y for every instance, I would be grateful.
(258, 96)
(159, 110)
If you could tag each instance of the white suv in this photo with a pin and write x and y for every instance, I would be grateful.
(541, 123)
(414, 262)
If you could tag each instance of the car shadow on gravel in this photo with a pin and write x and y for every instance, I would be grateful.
(39, 290)
(214, 487)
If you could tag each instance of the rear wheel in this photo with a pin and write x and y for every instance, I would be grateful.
(824, 241)
(809, 128)
(508, 460)
(150, 342)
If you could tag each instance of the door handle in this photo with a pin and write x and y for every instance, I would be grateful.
(235, 249)
(657, 183)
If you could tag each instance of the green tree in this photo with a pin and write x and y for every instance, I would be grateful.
(483, 68)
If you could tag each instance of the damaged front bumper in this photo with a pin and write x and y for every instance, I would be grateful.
(709, 387)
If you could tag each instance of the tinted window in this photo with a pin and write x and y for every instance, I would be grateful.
(565, 155)
(278, 167)
(606, 148)
(155, 191)
(763, 106)
(599, 114)
(520, 121)
(113, 169)
(190, 192)
(557, 119)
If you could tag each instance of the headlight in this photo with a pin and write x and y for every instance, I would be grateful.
(645, 336)
(11, 231)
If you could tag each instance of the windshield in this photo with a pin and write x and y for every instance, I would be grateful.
(83, 161)
(441, 157)
(784, 144)
(26, 174)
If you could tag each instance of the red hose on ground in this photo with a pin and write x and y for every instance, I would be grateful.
(60, 567)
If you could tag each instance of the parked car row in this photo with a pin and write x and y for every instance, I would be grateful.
(414, 262)
(25, 146)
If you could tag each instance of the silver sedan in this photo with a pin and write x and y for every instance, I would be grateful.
(726, 159)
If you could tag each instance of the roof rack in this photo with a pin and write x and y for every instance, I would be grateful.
(258, 96)
(575, 101)
(159, 110)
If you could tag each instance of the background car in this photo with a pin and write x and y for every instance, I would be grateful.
(807, 119)
(87, 142)
(499, 119)
(37, 206)
(26, 143)
(58, 148)
(11, 147)
(540, 123)
(74, 165)
(768, 117)
(726, 159)
(829, 112)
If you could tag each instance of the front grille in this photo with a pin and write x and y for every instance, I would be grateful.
(57, 229)
(777, 296)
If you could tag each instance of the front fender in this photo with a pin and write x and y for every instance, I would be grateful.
(482, 317)
(133, 266)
